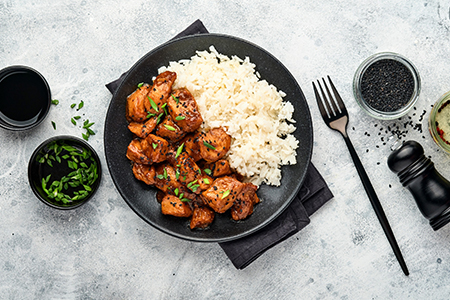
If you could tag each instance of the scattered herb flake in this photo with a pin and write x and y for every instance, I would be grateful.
(55, 102)
(80, 105)
(54, 125)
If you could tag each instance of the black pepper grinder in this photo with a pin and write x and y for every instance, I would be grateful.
(429, 188)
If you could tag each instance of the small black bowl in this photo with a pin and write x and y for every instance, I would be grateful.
(25, 98)
(56, 158)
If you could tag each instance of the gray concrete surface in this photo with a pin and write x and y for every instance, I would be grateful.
(105, 251)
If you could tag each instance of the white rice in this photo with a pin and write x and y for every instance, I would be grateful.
(230, 94)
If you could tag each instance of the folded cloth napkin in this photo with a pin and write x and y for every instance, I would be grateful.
(312, 195)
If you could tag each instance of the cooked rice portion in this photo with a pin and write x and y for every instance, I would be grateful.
(230, 94)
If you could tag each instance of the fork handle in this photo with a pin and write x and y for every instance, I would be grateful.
(376, 205)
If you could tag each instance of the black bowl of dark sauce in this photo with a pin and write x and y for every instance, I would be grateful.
(25, 98)
(386, 85)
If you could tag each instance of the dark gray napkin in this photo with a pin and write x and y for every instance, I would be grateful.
(312, 195)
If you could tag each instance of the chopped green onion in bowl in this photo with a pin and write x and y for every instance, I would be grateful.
(64, 172)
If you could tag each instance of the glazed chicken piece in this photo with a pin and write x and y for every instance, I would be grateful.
(135, 153)
(191, 146)
(214, 144)
(184, 110)
(166, 179)
(144, 173)
(243, 207)
(159, 92)
(172, 205)
(135, 109)
(218, 168)
(142, 130)
(152, 149)
(202, 217)
(169, 130)
(222, 194)
(189, 172)
(148, 175)
(155, 148)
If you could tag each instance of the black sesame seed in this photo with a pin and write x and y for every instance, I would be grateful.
(387, 85)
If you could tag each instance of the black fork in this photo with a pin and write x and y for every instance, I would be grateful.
(335, 116)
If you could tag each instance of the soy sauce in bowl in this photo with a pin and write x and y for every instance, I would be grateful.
(25, 98)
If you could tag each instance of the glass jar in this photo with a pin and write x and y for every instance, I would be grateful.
(364, 103)
(439, 122)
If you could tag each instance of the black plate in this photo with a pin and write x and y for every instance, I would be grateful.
(141, 198)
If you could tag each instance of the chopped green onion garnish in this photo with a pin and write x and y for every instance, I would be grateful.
(226, 193)
(72, 105)
(169, 127)
(179, 150)
(153, 104)
(83, 174)
(140, 85)
(179, 118)
(73, 121)
(54, 125)
(55, 102)
(191, 183)
(207, 171)
(206, 180)
(176, 99)
(209, 145)
(159, 118)
(154, 145)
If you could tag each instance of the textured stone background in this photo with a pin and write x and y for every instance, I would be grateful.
(104, 251)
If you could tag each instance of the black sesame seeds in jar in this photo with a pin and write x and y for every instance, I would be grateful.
(386, 85)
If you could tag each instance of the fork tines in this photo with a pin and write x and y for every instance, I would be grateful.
(329, 111)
